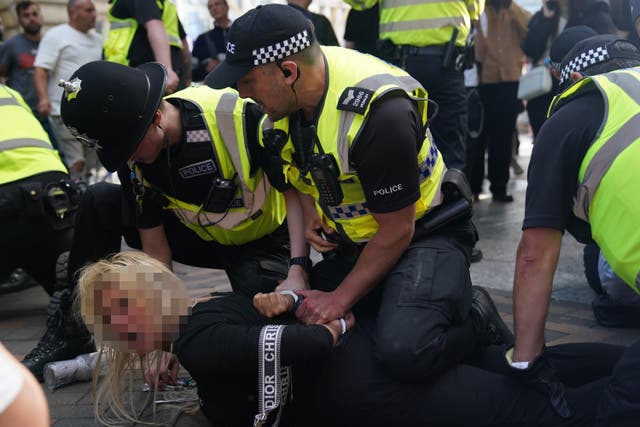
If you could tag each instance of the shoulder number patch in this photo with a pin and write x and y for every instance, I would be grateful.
(355, 99)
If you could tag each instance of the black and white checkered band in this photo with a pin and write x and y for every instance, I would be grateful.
(584, 60)
(280, 50)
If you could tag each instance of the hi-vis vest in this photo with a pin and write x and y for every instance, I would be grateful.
(423, 23)
(121, 32)
(361, 75)
(609, 177)
(263, 209)
(25, 149)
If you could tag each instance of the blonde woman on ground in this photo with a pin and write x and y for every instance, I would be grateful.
(135, 305)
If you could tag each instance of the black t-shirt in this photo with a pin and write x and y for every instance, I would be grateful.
(555, 162)
(143, 11)
(385, 154)
(187, 169)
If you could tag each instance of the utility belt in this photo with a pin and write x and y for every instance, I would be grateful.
(457, 206)
(454, 58)
(57, 201)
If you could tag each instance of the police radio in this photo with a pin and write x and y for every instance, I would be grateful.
(324, 172)
(221, 195)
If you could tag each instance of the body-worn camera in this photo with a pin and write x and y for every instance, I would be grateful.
(324, 172)
(220, 195)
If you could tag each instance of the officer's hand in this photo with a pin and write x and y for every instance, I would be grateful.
(172, 81)
(315, 234)
(541, 376)
(166, 364)
(335, 326)
(273, 304)
(44, 107)
(319, 307)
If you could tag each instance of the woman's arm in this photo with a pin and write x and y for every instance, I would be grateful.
(221, 339)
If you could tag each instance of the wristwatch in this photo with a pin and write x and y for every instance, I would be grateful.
(302, 261)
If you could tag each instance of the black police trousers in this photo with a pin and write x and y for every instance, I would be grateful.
(32, 238)
(446, 88)
(421, 307)
(620, 406)
(253, 267)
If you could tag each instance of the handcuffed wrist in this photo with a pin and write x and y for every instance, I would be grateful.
(343, 325)
(297, 299)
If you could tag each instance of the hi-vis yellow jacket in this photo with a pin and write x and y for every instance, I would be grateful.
(25, 149)
(121, 32)
(363, 79)
(609, 177)
(424, 23)
(260, 209)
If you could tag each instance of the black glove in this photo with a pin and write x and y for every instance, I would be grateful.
(541, 376)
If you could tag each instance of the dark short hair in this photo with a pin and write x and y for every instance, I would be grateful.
(23, 5)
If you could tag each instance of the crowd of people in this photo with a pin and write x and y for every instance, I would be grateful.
(282, 146)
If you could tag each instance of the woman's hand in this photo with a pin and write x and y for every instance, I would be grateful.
(273, 304)
(336, 326)
(167, 364)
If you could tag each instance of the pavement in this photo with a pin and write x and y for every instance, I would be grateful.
(23, 314)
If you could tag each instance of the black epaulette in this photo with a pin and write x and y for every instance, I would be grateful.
(355, 99)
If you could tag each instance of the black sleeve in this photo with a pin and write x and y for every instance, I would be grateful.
(181, 30)
(385, 154)
(145, 10)
(539, 31)
(148, 214)
(221, 340)
(555, 161)
(599, 18)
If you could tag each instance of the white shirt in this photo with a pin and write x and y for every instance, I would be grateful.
(11, 380)
(62, 50)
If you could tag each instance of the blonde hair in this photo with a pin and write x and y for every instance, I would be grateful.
(124, 269)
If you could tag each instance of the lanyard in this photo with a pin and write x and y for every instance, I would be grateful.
(273, 380)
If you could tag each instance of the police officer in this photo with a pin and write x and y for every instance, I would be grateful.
(192, 188)
(142, 31)
(428, 39)
(37, 209)
(590, 138)
(349, 131)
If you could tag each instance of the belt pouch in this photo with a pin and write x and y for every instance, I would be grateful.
(32, 198)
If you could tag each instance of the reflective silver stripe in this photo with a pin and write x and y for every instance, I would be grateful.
(120, 24)
(388, 4)
(174, 39)
(5, 102)
(407, 83)
(11, 144)
(627, 82)
(421, 24)
(606, 155)
(227, 128)
(601, 162)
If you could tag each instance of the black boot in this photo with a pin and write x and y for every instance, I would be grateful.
(17, 281)
(64, 339)
(489, 326)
